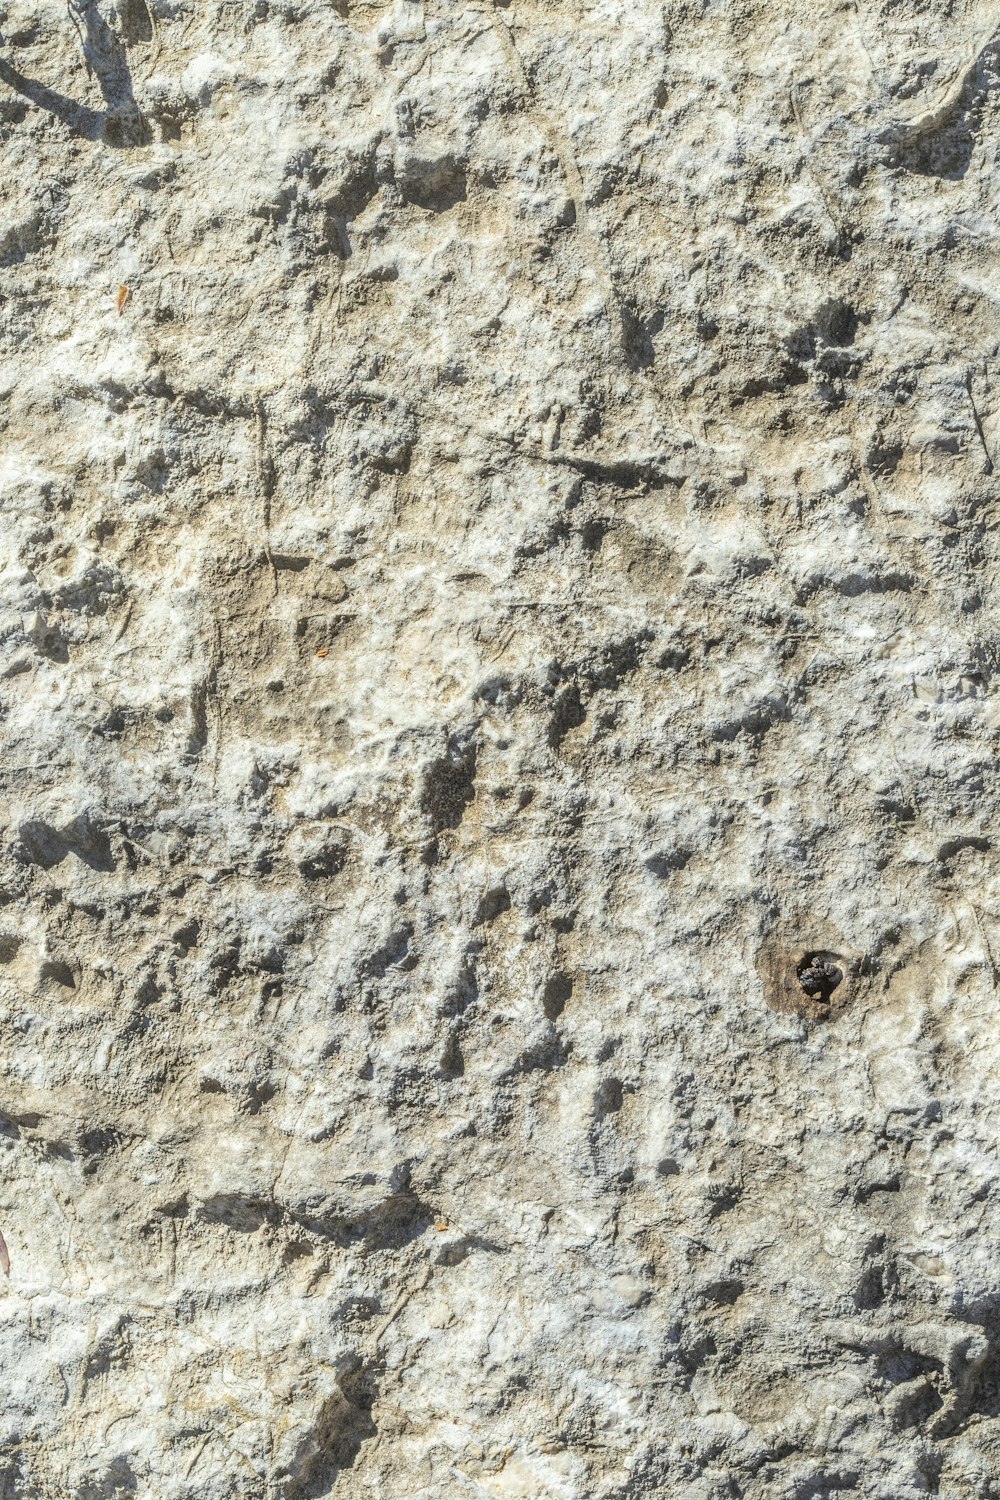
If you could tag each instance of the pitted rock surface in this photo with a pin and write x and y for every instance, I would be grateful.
(499, 576)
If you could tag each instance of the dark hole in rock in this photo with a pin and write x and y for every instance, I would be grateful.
(297, 1250)
(568, 713)
(558, 990)
(452, 1062)
(345, 1425)
(945, 153)
(871, 1289)
(60, 972)
(819, 977)
(186, 936)
(492, 905)
(544, 1056)
(256, 1095)
(9, 945)
(435, 185)
(725, 1293)
(449, 787)
(592, 535)
(41, 844)
(326, 859)
(126, 127)
(97, 1141)
(609, 1097)
(837, 322)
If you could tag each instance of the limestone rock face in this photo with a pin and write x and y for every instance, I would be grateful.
(499, 704)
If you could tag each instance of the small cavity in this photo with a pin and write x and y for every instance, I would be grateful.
(819, 976)
(609, 1097)
(60, 972)
(558, 990)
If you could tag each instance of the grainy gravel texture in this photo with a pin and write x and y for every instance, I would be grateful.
(500, 702)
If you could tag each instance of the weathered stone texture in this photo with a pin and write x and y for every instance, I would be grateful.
(500, 704)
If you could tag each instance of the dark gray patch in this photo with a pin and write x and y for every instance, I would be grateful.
(556, 994)
(449, 786)
(39, 843)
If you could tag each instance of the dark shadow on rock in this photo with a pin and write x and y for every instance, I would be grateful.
(119, 1481)
(122, 124)
(352, 198)
(982, 1399)
(945, 149)
(343, 1427)
(433, 183)
(82, 121)
(637, 338)
(136, 21)
(945, 153)
(41, 844)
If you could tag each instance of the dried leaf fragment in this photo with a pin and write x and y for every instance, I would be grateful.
(322, 652)
(123, 295)
(4, 1257)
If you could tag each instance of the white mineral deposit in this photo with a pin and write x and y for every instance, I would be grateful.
(499, 726)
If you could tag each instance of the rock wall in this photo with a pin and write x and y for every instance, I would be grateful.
(499, 697)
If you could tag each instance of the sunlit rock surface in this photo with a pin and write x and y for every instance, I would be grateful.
(499, 710)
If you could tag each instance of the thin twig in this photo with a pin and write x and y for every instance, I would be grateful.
(265, 475)
(978, 422)
(986, 944)
(155, 29)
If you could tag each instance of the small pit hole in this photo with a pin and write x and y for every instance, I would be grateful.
(558, 990)
(819, 976)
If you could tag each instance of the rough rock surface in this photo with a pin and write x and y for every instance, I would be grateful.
(499, 693)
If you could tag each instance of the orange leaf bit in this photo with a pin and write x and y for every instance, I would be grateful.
(122, 298)
(322, 652)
